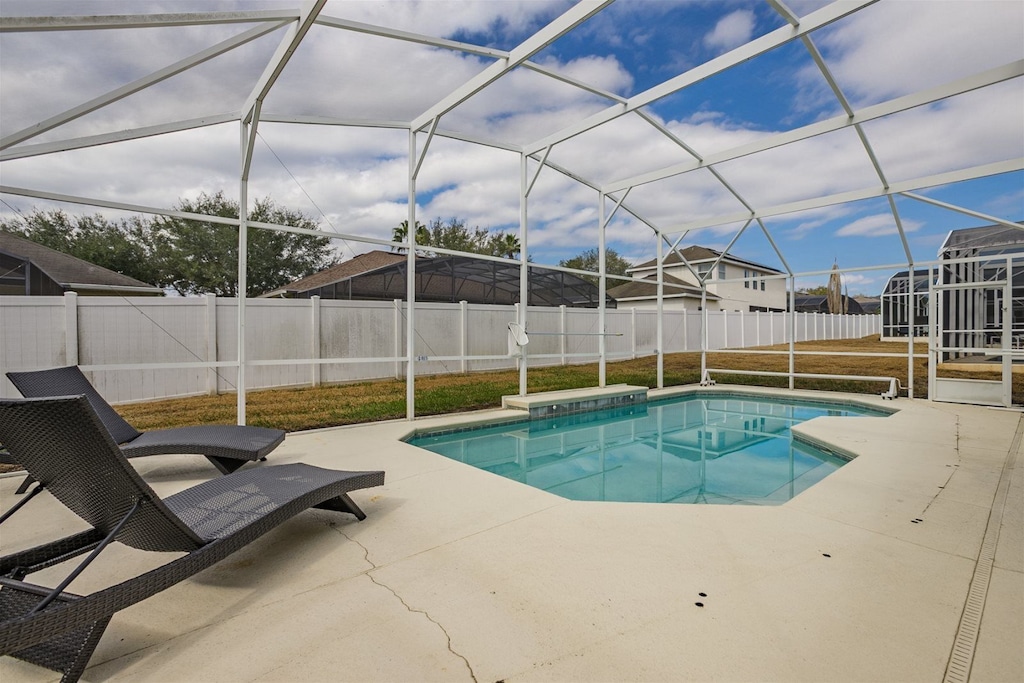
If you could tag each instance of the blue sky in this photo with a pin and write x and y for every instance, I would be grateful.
(355, 180)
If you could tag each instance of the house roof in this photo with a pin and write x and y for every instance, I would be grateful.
(356, 265)
(381, 275)
(989, 238)
(68, 271)
(647, 288)
(698, 254)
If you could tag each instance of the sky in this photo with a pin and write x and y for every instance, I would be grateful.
(355, 179)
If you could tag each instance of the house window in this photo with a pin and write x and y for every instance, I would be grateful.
(702, 269)
(746, 282)
(762, 285)
(721, 271)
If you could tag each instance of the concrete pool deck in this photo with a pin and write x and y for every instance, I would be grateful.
(458, 574)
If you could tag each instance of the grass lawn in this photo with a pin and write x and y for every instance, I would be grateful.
(327, 406)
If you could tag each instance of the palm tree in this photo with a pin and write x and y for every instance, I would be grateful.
(510, 245)
(400, 233)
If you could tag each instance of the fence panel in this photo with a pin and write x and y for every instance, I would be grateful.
(42, 332)
(32, 335)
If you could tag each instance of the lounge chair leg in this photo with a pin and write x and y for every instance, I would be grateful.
(23, 486)
(225, 465)
(67, 653)
(343, 503)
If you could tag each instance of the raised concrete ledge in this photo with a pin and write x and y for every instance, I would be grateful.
(575, 400)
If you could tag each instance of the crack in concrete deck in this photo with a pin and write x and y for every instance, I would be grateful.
(408, 607)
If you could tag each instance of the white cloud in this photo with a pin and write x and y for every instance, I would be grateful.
(877, 225)
(893, 48)
(731, 31)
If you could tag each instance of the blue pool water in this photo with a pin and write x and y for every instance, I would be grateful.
(698, 449)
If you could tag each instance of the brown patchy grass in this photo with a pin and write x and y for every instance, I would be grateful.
(327, 406)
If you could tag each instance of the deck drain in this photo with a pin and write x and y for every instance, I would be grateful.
(958, 669)
(825, 555)
(699, 604)
(703, 595)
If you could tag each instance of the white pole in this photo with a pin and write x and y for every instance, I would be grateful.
(524, 269)
(792, 331)
(602, 370)
(243, 247)
(314, 302)
(410, 288)
(661, 316)
(464, 336)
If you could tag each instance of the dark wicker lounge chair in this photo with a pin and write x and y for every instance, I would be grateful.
(64, 445)
(228, 447)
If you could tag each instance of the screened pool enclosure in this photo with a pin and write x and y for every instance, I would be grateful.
(792, 133)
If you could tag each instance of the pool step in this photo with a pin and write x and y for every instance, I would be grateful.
(570, 401)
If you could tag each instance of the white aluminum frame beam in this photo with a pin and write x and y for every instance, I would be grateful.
(902, 187)
(758, 46)
(285, 49)
(877, 111)
(120, 21)
(575, 16)
(139, 84)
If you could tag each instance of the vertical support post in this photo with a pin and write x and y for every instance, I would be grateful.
(934, 335)
(725, 329)
(314, 304)
(524, 269)
(792, 331)
(464, 335)
(71, 328)
(743, 329)
(243, 248)
(1007, 313)
(211, 343)
(703, 328)
(632, 322)
(397, 351)
(410, 287)
(602, 369)
(911, 319)
(564, 329)
(661, 316)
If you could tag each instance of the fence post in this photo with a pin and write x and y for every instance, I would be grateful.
(743, 329)
(211, 343)
(562, 313)
(464, 336)
(314, 302)
(398, 338)
(632, 320)
(70, 328)
(757, 327)
(725, 329)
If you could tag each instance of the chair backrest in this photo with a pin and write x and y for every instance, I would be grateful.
(63, 445)
(70, 381)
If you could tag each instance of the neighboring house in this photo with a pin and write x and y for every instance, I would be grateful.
(871, 305)
(30, 269)
(750, 289)
(675, 294)
(818, 303)
(381, 275)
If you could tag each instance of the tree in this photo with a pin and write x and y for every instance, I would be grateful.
(590, 260)
(200, 257)
(455, 235)
(820, 290)
(121, 246)
(400, 233)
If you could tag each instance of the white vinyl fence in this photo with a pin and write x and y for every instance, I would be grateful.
(126, 344)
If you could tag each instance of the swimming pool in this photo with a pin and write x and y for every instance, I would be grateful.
(723, 449)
